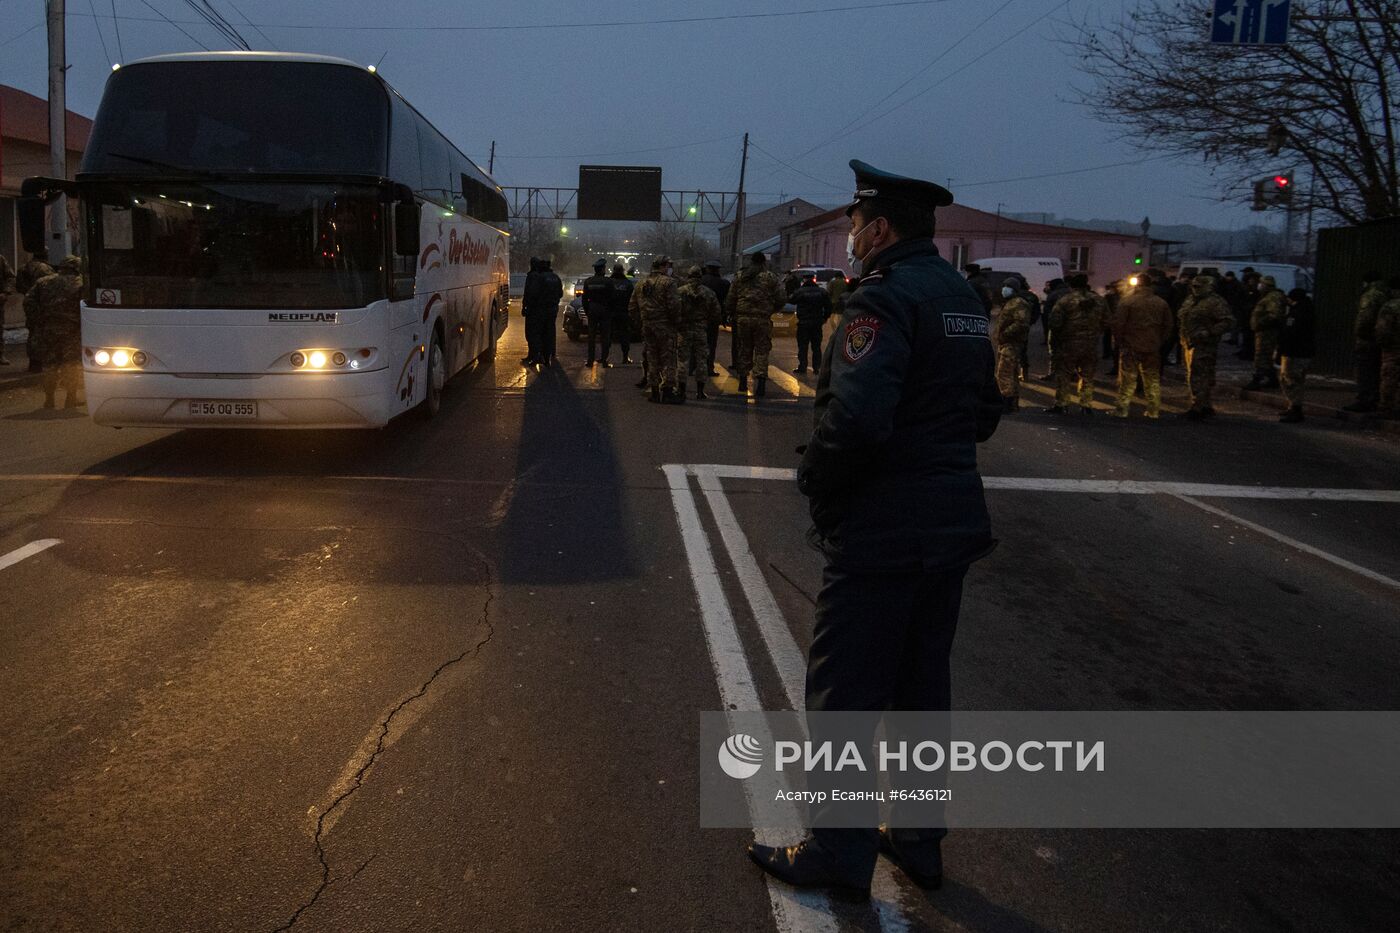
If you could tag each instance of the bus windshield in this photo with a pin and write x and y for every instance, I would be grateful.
(240, 117)
(256, 245)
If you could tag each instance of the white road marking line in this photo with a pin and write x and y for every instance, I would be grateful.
(28, 551)
(794, 911)
(1121, 487)
(777, 635)
(790, 383)
(788, 660)
(1294, 543)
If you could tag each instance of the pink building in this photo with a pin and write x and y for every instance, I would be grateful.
(968, 235)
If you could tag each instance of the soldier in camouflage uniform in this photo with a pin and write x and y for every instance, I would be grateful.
(1368, 355)
(1076, 324)
(1141, 323)
(753, 299)
(699, 312)
(58, 342)
(1388, 340)
(657, 306)
(1266, 321)
(1205, 317)
(1009, 334)
(29, 273)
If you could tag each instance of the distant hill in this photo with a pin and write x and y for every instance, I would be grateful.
(1200, 241)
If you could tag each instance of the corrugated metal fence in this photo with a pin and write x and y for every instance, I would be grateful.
(1344, 255)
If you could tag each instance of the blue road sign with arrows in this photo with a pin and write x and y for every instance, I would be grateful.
(1250, 22)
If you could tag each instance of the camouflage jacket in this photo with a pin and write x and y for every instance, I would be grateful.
(7, 277)
(1372, 298)
(1013, 323)
(755, 294)
(1387, 330)
(1078, 317)
(699, 306)
(1141, 323)
(29, 273)
(656, 301)
(1204, 320)
(53, 305)
(1269, 311)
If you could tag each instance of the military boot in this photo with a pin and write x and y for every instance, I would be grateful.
(1255, 382)
(680, 389)
(642, 382)
(655, 395)
(744, 384)
(760, 387)
(700, 389)
(1272, 381)
(1293, 415)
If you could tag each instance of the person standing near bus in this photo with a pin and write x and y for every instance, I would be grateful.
(717, 284)
(540, 305)
(53, 304)
(620, 331)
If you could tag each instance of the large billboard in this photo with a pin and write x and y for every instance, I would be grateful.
(619, 192)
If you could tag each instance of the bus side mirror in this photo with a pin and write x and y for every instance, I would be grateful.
(31, 226)
(406, 220)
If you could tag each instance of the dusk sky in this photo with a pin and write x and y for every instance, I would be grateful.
(989, 90)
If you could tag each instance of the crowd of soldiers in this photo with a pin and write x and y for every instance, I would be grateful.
(1140, 324)
(1378, 346)
(52, 317)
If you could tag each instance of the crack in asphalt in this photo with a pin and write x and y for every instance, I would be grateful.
(384, 727)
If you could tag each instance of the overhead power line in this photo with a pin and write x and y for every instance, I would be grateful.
(121, 55)
(536, 27)
(1072, 171)
(166, 19)
(795, 169)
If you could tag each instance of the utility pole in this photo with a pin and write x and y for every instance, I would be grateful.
(59, 245)
(739, 209)
(996, 231)
(491, 165)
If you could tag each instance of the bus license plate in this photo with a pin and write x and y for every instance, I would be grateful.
(224, 411)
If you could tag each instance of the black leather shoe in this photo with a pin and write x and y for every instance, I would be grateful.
(807, 866)
(924, 868)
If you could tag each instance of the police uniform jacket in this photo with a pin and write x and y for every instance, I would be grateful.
(905, 394)
(597, 296)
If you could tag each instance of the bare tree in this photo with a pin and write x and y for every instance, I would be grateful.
(1334, 89)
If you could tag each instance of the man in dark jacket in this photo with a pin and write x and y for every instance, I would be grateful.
(620, 330)
(980, 285)
(1297, 343)
(717, 284)
(540, 305)
(813, 306)
(597, 304)
(906, 393)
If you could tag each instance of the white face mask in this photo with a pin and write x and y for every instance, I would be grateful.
(1007, 291)
(852, 259)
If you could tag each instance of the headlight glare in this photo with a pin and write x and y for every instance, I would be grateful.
(102, 358)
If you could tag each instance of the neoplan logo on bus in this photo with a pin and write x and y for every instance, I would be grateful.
(304, 317)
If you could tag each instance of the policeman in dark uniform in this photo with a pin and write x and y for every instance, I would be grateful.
(906, 393)
(597, 304)
(717, 284)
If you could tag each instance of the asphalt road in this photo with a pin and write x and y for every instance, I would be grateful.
(446, 676)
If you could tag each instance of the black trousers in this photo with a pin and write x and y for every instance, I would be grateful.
(809, 335)
(534, 345)
(618, 333)
(1368, 375)
(882, 642)
(712, 338)
(599, 331)
(734, 346)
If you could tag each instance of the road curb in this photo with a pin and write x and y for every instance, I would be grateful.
(1313, 410)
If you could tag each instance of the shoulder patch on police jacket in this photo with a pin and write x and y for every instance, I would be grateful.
(860, 337)
(965, 325)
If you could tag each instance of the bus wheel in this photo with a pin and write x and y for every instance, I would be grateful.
(432, 403)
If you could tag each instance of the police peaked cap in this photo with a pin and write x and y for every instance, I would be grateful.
(600, 263)
(871, 182)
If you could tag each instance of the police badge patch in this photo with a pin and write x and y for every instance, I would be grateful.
(860, 337)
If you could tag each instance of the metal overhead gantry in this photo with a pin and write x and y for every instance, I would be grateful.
(677, 207)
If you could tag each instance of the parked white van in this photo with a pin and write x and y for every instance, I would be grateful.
(1036, 270)
(1286, 277)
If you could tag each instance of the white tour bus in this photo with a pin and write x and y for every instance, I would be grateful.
(276, 241)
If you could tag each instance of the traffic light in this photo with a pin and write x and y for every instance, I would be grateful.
(1137, 260)
(1274, 190)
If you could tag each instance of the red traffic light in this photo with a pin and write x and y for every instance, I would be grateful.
(1282, 181)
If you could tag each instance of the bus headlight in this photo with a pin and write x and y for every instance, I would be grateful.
(116, 357)
(338, 358)
(330, 360)
(317, 359)
(298, 360)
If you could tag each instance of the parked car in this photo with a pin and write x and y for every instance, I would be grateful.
(1287, 277)
(823, 274)
(1036, 270)
(575, 319)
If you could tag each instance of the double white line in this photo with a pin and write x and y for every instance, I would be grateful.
(794, 910)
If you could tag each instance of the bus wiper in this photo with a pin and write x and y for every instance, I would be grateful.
(187, 172)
